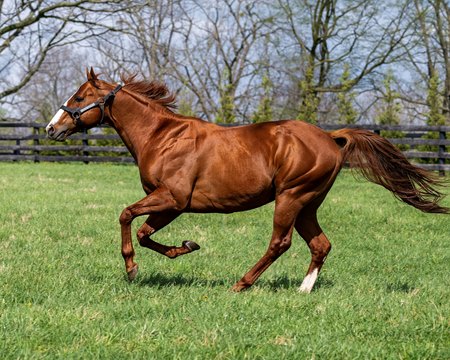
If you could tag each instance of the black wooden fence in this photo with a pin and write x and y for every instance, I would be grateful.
(28, 141)
(424, 145)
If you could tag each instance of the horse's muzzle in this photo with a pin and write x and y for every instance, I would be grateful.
(50, 131)
(55, 135)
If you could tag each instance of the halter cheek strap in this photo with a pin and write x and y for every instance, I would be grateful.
(76, 113)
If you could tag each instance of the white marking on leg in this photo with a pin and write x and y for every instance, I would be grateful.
(308, 281)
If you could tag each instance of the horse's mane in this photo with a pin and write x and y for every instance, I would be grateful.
(153, 90)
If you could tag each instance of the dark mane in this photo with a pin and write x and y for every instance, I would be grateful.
(153, 90)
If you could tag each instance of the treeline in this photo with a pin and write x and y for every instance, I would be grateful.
(324, 61)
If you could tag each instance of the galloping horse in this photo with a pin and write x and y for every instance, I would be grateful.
(189, 165)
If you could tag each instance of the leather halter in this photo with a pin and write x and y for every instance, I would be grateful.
(76, 113)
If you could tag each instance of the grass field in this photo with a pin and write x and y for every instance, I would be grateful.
(384, 292)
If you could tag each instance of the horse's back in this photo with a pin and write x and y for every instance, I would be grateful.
(283, 141)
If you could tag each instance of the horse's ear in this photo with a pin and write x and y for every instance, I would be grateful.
(91, 76)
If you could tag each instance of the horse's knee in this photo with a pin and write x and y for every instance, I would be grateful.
(126, 217)
(127, 252)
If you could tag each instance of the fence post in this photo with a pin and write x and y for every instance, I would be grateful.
(17, 151)
(36, 143)
(85, 143)
(441, 151)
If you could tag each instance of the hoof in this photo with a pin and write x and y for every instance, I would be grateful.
(238, 288)
(133, 272)
(192, 246)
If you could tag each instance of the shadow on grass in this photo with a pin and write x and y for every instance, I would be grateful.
(162, 280)
(280, 283)
(323, 283)
(400, 287)
(283, 282)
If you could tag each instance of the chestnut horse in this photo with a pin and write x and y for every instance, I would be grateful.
(189, 165)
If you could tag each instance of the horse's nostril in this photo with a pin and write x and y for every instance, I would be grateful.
(50, 130)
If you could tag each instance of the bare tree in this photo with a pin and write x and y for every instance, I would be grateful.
(216, 54)
(220, 55)
(427, 89)
(59, 75)
(326, 34)
(222, 50)
(442, 16)
(142, 42)
(29, 30)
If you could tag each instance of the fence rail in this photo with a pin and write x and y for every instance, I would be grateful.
(28, 142)
(424, 145)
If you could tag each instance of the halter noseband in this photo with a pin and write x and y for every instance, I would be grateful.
(76, 113)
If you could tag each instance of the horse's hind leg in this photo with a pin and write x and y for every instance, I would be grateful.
(309, 229)
(283, 225)
(156, 222)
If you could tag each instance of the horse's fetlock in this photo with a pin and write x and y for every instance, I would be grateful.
(172, 253)
(128, 253)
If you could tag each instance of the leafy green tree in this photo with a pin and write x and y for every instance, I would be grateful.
(390, 110)
(185, 107)
(345, 99)
(309, 98)
(225, 113)
(434, 115)
(389, 113)
(264, 111)
(434, 101)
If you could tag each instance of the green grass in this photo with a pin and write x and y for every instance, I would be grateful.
(384, 292)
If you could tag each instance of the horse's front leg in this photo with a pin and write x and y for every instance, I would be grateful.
(156, 222)
(159, 201)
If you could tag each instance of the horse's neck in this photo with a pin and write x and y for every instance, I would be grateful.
(136, 124)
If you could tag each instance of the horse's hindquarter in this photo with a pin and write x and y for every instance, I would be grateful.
(307, 157)
(244, 167)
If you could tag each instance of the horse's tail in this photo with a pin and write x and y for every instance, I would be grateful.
(382, 163)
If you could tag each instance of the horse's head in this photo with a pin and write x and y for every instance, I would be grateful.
(84, 109)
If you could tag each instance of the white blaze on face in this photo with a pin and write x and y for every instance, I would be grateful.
(308, 281)
(58, 114)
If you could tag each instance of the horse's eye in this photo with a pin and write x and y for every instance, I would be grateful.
(79, 99)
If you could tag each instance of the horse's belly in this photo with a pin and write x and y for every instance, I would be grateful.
(225, 200)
